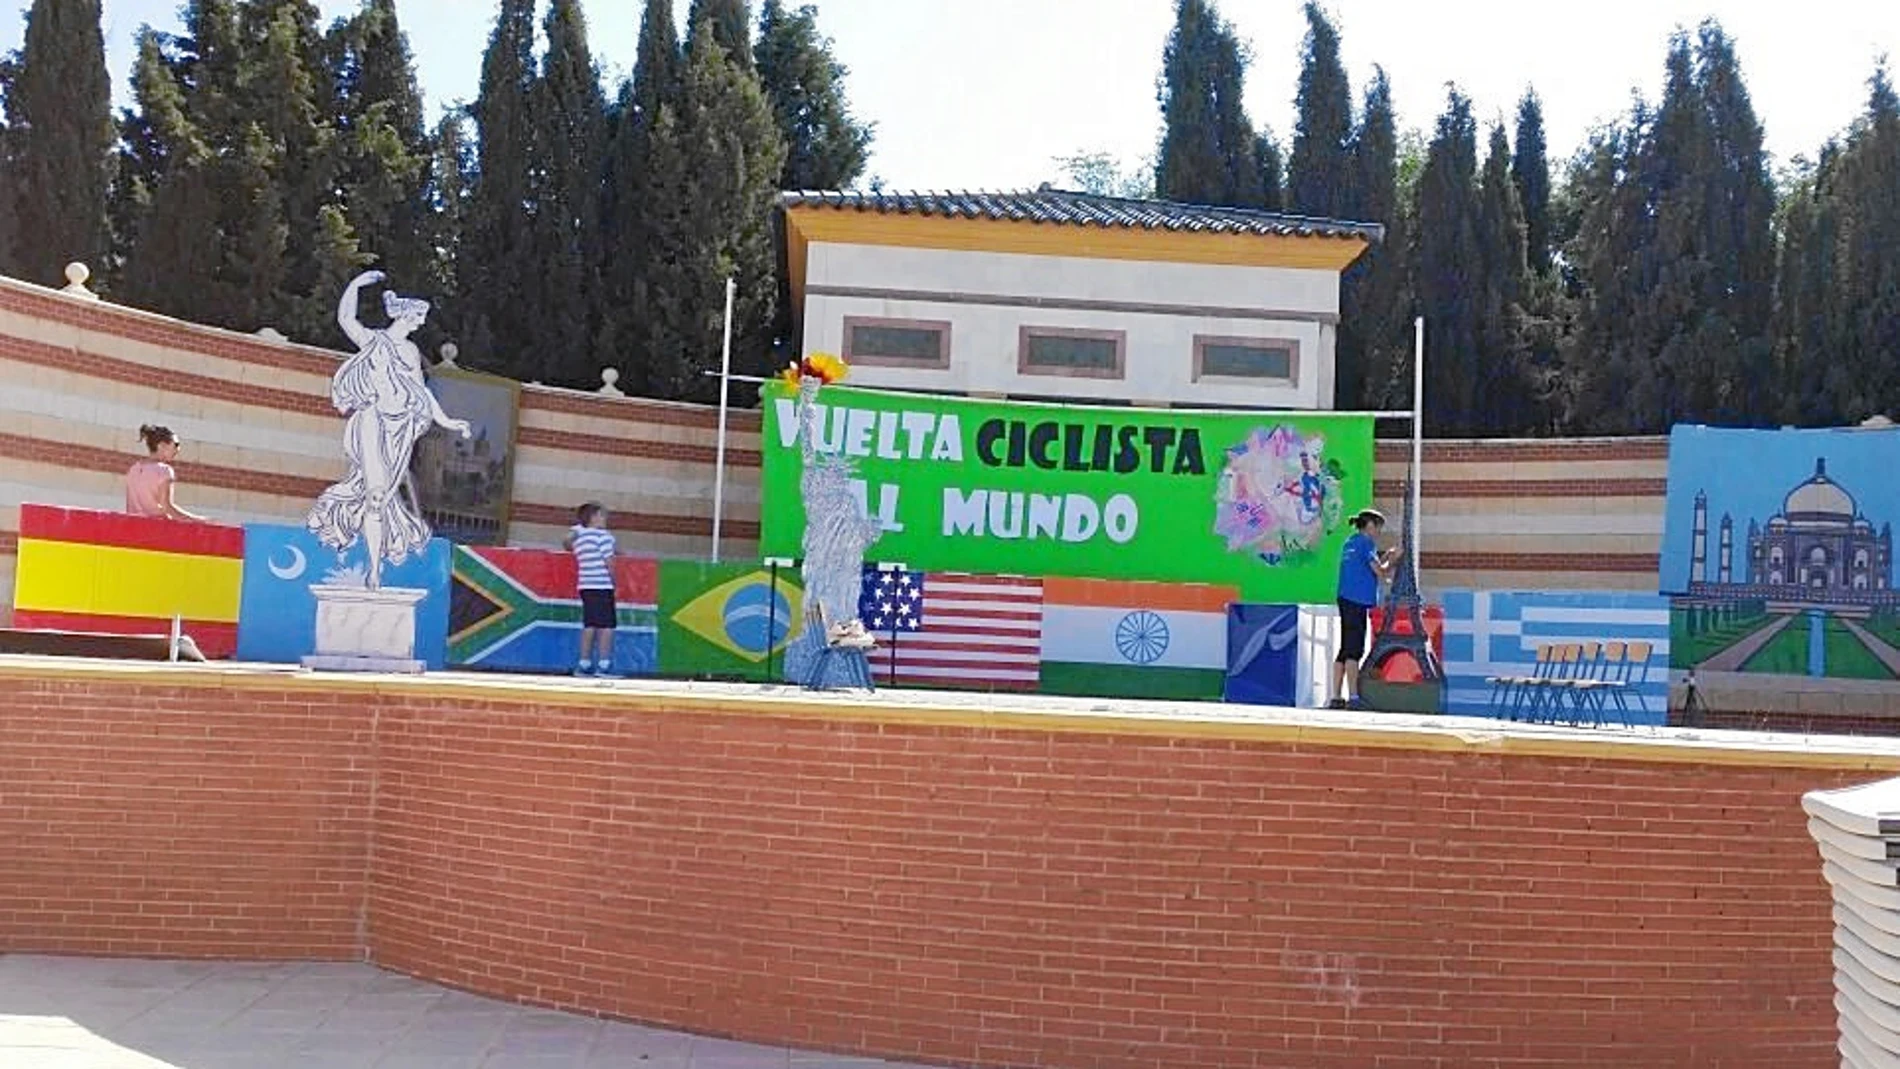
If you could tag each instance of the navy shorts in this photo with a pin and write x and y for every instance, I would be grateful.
(1352, 631)
(598, 611)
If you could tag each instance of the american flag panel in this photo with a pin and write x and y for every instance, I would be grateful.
(979, 632)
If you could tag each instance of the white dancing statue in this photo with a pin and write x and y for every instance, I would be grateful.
(382, 391)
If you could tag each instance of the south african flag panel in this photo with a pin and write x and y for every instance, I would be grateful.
(519, 610)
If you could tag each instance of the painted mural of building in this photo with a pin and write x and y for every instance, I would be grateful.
(1057, 295)
(1820, 549)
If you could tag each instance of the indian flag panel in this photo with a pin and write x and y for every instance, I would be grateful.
(1109, 638)
(111, 573)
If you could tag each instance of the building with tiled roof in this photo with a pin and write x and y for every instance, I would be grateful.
(1060, 294)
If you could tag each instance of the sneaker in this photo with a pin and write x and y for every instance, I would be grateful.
(585, 668)
(1358, 704)
(1336, 703)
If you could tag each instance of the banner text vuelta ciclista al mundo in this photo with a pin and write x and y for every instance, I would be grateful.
(1259, 501)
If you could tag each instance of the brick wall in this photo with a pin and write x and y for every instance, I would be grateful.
(944, 885)
(144, 819)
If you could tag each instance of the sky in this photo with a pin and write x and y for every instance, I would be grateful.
(986, 94)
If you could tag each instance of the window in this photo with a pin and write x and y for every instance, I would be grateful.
(1270, 360)
(1089, 354)
(913, 343)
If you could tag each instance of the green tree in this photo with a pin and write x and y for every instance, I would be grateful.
(1838, 299)
(825, 147)
(572, 122)
(713, 219)
(1503, 364)
(286, 92)
(384, 147)
(201, 198)
(1530, 173)
(1102, 174)
(59, 142)
(1319, 171)
(1374, 347)
(498, 253)
(1267, 165)
(644, 169)
(728, 21)
(1450, 271)
(1682, 264)
(1209, 152)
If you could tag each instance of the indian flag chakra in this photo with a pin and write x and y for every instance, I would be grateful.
(1105, 638)
(110, 573)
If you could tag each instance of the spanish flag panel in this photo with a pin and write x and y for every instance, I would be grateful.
(110, 573)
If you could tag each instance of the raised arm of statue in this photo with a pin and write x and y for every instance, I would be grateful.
(358, 334)
(808, 420)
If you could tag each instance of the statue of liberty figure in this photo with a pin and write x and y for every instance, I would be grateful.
(837, 532)
(382, 391)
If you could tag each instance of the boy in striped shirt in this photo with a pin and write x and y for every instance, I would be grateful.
(593, 547)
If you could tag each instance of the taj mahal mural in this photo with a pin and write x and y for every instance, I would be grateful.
(1778, 552)
(1819, 547)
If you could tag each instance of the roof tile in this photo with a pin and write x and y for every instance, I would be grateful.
(1061, 207)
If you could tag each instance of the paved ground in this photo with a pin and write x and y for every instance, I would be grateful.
(89, 1013)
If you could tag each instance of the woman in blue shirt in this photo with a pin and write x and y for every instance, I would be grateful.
(1361, 567)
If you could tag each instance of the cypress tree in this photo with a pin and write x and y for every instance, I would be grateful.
(210, 242)
(825, 147)
(643, 169)
(59, 142)
(1374, 346)
(498, 261)
(450, 176)
(1510, 407)
(1530, 173)
(1209, 153)
(384, 147)
(571, 116)
(713, 219)
(1320, 168)
(1605, 269)
(1451, 273)
(1266, 155)
(730, 24)
(284, 92)
(1851, 296)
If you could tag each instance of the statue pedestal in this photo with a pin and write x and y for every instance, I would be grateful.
(364, 630)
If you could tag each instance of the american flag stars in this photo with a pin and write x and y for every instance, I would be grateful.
(892, 600)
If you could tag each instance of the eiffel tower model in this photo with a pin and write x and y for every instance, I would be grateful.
(1426, 695)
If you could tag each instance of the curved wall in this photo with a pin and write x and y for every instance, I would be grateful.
(78, 377)
(968, 882)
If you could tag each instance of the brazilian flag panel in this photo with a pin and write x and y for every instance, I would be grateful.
(519, 610)
(727, 621)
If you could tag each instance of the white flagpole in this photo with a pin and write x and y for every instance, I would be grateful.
(725, 388)
(1418, 434)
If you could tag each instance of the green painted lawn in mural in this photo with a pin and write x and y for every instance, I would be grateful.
(1258, 501)
(1848, 657)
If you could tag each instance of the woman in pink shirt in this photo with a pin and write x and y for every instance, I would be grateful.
(148, 486)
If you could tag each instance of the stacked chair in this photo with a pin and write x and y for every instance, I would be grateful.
(1575, 682)
(1858, 832)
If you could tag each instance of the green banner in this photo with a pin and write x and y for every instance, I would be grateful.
(1257, 500)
